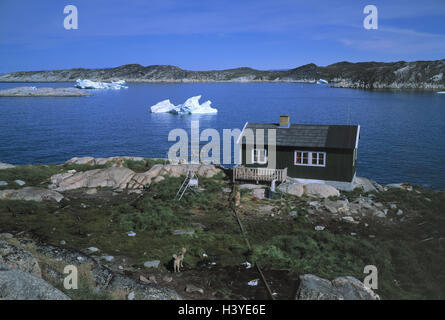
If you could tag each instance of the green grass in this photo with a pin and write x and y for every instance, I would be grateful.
(409, 268)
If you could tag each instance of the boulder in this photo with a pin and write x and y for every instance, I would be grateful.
(17, 258)
(19, 285)
(319, 190)
(6, 235)
(366, 184)
(6, 165)
(342, 288)
(295, 189)
(190, 288)
(30, 194)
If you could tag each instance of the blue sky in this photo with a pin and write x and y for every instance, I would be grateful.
(204, 35)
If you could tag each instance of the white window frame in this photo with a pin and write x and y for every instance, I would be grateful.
(309, 158)
(256, 151)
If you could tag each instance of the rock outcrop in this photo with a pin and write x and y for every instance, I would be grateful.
(342, 288)
(19, 285)
(124, 178)
(366, 184)
(30, 194)
(296, 189)
(15, 257)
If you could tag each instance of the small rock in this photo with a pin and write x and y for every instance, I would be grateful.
(20, 182)
(399, 212)
(144, 279)
(393, 206)
(167, 279)
(190, 288)
(131, 296)
(152, 264)
(353, 234)
(152, 279)
(131, 234)
(91, 191)
(93, 249)
(319, 228)
(253, 283)
(62, 242)
(3, 183)
(83, 205)
(6, 235)
(108, 258)
(293, 213)
(348, 219)
(227, 190)
(182, 232)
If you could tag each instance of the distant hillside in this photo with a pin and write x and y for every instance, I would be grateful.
(366, 75)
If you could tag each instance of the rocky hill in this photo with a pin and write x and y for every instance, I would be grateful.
(365, 75)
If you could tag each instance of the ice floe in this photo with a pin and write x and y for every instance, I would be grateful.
(88, 84)
(190, 106)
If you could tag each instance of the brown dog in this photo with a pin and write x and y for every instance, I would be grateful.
(178, 259)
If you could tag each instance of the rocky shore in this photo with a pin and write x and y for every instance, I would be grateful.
(118, 221)
(43, 92)
(423, 75)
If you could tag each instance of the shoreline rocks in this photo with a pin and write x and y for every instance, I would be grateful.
(342, 288)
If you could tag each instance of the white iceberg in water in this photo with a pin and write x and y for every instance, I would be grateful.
(88, 84)
(190, 106)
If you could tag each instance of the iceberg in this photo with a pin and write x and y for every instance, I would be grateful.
(190, 106)
(88, 84)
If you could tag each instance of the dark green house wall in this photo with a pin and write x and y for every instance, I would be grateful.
(339, 164)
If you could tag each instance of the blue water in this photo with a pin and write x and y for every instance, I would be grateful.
(402, 133)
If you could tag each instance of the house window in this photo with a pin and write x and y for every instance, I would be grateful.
(259, 156)
(310, 158)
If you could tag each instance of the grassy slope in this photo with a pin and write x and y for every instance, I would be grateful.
(408, 267)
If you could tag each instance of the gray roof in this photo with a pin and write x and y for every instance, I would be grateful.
(310, 135)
